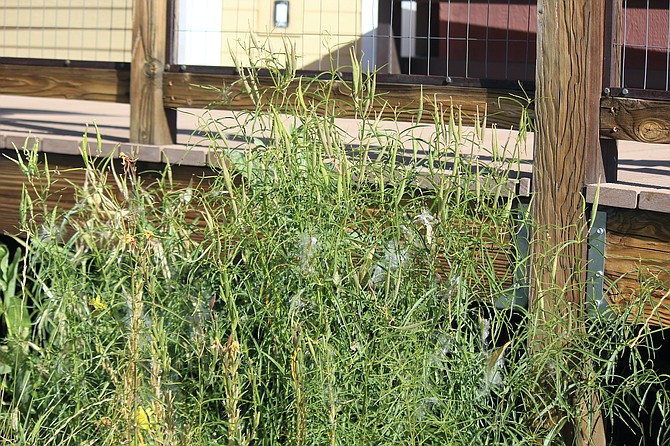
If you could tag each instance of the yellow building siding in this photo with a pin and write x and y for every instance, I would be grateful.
(318, 30)
(98, 30)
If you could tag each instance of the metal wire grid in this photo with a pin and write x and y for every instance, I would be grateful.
(645, 44)
(492, 39)
(317, 30)
(489, 39)
(459, 38)
(97, 30)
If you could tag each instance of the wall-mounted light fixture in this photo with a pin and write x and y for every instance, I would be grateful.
(281, 14)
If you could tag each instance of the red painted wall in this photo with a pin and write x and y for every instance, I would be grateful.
(500, 40)
(646, 52)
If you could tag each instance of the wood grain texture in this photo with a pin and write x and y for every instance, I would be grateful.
(67, 171)
(566, 155)
(598, 161)
(613, 48)
(612, 67)
(655, 200)
(185, 90)
(631, 119)
(566, 137)
(226, 91)
(148, 118)
(94, 84)
(616, 195)
(637, 264)
(12, 179)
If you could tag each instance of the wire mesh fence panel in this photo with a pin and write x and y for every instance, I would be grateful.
(218, 32)
(488, 39)
(644, 41)
(492, 39)
(96, 30)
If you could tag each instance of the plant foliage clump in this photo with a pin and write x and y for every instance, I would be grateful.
(318, 288)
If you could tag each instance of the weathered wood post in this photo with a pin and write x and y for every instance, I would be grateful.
(567, 150)
(150, 121)
(613, 66)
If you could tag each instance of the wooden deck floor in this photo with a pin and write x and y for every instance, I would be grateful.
(644, 169)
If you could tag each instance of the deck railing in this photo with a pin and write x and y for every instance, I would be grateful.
(151, 53)
(475, 39)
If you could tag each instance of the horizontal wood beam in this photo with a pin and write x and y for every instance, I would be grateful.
(630, 119)
(636, 266)
(198, 90)
(501, 106)
(94, 84)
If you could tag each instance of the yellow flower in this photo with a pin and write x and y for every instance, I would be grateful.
(144, 418)
(235, 347)
(97, 304)
(128, 240)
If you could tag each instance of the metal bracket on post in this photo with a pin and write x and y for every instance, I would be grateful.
(518, 298)
(595, 272)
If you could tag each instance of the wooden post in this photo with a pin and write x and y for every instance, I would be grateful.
(613, 50)
(150, 122)
(594, 33)
(566, 152)
(612, 68)
(170, 34)
(567, 111)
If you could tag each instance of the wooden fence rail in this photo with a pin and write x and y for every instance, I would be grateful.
(154, 90)
(638, 116)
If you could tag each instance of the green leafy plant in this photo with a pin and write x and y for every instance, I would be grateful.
(321, 286)
(16, 380)
(14, 309)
